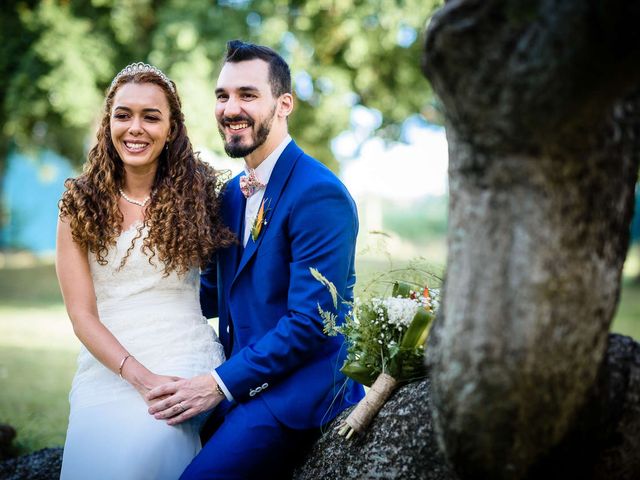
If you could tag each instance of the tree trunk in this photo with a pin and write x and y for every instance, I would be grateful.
(542, 125)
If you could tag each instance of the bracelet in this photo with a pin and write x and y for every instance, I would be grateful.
(127, 356)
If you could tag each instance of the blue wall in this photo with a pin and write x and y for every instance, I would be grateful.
(31, 188)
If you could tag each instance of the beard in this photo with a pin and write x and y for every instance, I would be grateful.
(234, 147)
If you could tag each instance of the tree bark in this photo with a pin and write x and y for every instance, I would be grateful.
(604, 440)
(542, 123)
(399, 444)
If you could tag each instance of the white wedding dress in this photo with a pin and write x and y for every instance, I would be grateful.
(158, 320)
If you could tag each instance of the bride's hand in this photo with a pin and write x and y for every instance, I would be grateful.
(144, 380)
(154, 381)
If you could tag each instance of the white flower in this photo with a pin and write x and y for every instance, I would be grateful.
(400, 311)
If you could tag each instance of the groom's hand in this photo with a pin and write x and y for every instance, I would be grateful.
(180, 400)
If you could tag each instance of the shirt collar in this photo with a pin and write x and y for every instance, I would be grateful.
(263, 171)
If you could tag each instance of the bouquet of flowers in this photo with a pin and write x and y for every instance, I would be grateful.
(385, 339)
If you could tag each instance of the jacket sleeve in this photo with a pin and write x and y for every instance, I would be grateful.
(209, 289)
(322, 227)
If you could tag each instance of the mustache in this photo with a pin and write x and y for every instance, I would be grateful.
(237, 118)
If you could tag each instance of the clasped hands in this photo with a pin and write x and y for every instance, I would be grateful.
(183, 399)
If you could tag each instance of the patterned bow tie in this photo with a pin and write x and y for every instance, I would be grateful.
(250, 184)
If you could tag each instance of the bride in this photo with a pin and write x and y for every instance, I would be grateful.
(132, 232)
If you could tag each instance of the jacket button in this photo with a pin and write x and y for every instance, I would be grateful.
(252, 393)
(265, 385)
(258, 389)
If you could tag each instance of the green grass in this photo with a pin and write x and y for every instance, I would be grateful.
(35, 384)
(37, 360)
(378, 275)
(425, 218)
(38, 348)
(627, 318)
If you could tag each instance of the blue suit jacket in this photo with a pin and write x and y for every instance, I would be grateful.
(267, 300)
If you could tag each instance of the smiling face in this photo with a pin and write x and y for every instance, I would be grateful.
(140, 124)
(251, 121)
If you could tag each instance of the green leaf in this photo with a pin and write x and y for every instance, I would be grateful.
(401, 289)
(412, 368)
(329, 320)
(418, 330)
(359, 373)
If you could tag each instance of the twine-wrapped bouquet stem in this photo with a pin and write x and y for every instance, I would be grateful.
(362, 415)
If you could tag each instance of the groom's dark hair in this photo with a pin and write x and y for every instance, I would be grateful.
(279, 73)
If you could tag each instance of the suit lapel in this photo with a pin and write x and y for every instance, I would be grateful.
(272, 194)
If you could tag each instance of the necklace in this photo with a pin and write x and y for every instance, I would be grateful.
(135, 202)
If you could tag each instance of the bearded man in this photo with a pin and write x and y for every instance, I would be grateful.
(281, 382)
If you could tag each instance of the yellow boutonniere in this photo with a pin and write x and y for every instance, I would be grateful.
(260, 219)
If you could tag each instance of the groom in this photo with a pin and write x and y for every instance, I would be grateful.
(281, 381)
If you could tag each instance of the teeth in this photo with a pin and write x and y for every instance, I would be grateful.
(238, 126)
(135, 146)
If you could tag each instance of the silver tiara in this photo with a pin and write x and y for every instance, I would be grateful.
(140, 67)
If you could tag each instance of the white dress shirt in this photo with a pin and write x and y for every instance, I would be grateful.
(263, 172)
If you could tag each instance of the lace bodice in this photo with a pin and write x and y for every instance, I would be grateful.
(156, 317)
(138, 277)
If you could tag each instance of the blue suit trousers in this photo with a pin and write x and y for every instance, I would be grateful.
(248, 442)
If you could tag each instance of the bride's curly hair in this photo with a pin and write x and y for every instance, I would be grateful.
(183, 217)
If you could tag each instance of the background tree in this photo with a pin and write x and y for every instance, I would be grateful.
(542, 123)
(59, 56)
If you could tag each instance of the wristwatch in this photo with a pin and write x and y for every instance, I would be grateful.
(219, 390)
